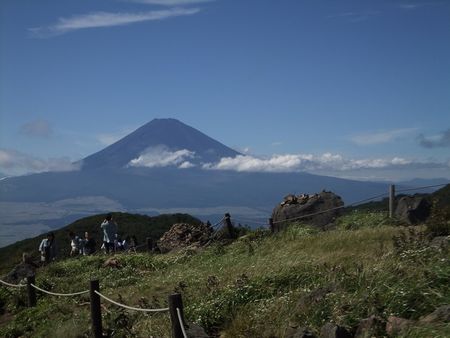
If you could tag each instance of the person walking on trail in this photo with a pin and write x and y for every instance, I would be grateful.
(47, 248)
(109, 227)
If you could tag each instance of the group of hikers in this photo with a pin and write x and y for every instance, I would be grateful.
(87, 244)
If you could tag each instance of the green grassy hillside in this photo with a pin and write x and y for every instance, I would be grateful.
(261, 285)
(141, 226)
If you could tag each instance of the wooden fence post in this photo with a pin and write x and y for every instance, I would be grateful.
(96, 311)
(272, 226)
(391, 200)
(229, 226)
(175, 302)
(149, 244)
(31, 291)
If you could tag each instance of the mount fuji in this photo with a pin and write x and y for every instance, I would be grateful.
(162, 167)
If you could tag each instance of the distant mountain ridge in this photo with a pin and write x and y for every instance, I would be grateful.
(169, 133)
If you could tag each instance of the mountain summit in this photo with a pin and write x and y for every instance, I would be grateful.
(159, 136)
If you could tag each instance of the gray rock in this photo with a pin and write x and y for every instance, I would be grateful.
(183, 235)
(330, 330)
(299, 332)
(413, 209)
(304, 205)
(195, 331)
(396, 325)
(370, 327)
(20, 272)
(440, 242)
(441, 314)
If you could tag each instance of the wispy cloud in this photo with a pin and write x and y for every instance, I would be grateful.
(171, 2)
(13, 162)
(161, 156)
(355, 16)
(381, 137)
(312, 163)
(38, 128)
(441, 140)
(107, 19)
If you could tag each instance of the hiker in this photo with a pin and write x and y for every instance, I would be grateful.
(75, 244)
(88, 244)
(133, 243)
(109, 227)
(47, 248)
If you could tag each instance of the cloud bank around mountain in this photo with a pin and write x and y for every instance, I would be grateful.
(311, 163)
(13, 162)
(161, 156)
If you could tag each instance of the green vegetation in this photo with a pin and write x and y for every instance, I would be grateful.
(258, 286)
(129, 224)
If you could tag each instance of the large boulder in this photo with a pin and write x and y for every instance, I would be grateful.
(309, 209)
(182, 235)
(413, 209)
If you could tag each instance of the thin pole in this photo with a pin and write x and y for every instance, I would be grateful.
(391, 200)
(96, 311)
(272, 226)
(31, 291)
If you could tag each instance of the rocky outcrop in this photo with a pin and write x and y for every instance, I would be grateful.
(182, 235)
(308, 209)
(22, 270)
(441, 314)
(372, 326)
(413, 209)
(330, 330)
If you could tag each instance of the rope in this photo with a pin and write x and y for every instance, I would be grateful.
(421, 188)
(130, 307)
(59, 294)
(219, 222)
(13, 285)
(181, 323)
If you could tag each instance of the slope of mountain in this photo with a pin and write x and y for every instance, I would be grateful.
(141, 226)
(170, 134)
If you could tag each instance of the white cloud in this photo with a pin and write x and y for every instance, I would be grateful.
(381, 136)
(171, 2)
(160, 156)
(312, 163)
(38, 128)
(186, 165)
(107, 19)
(13, 162)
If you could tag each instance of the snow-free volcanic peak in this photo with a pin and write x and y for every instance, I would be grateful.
(167, 133)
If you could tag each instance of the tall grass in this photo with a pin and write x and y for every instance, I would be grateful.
(258, 286)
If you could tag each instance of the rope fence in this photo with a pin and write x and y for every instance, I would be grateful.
(59, 294)
(180, 320)
(12, 285)
(422, 188)
(130, 307)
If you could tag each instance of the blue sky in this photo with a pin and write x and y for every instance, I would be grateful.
(362, 86)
